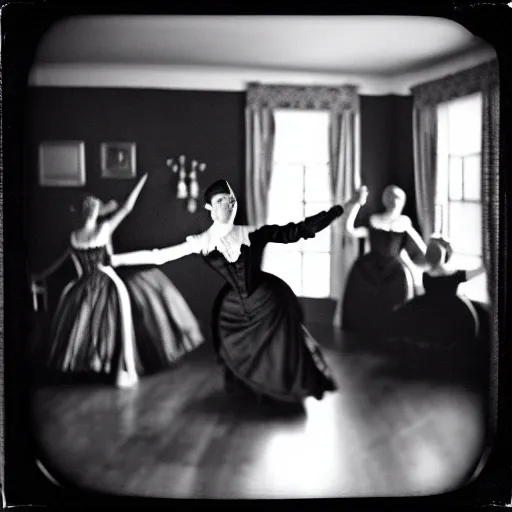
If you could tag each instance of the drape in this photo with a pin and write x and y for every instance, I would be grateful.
(342, 103)
(425, 165)
(260, 136)
(427, 97)
(345, 180)
(493, 228)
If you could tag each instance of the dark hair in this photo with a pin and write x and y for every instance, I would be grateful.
(443, 243)
(218, 187)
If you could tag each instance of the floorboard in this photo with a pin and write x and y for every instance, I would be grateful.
(179, 435)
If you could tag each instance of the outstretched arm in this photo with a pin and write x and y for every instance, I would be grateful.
(152, 256)
(293, 232)
(470, 274)
(127, 207)
(51, 269)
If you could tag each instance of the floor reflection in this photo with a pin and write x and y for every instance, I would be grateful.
(179, 435)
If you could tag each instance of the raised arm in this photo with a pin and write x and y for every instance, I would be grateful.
(152, 256)
(416, 238)
(127, 207)
(353, 208)
(293, 232)
(470, 274)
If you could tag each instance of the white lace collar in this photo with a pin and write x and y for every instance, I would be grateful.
(227, 242)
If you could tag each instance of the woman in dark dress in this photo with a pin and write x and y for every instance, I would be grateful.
(440, 318)
(117, 327)
(382, 279)
(258, 325)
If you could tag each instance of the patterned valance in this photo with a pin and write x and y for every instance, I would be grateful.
(312, 97)
(459, 84)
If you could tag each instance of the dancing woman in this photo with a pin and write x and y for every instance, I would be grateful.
(121, 327)
(259, 322)
(381, 280)
(441, 317)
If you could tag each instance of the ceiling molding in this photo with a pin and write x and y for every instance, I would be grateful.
(141, 76)
(189, 77)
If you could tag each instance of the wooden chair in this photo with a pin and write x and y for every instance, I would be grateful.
(39, 290)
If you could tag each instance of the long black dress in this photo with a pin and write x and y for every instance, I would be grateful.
(258, 321)
(377, 284)
(439, 318)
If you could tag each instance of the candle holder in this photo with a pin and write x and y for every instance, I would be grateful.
(188, 186)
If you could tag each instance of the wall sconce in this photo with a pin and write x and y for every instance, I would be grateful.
(190, 192)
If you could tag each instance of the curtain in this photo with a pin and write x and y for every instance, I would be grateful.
(491, 188)
(493, 224)
(425, 165)
(342, 103)
(427, 97)
(345, 180)
(260, 135)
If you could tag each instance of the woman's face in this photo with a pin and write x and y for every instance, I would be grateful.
(393, 201)
(223, 207)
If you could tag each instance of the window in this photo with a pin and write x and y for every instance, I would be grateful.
(458, 200)
(300, 187)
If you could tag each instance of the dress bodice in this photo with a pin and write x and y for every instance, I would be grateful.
(245, 274)
(387, 243)
(443, 286)
(88, 259)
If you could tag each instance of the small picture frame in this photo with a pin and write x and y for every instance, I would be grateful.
(118, 160)
(62, 163)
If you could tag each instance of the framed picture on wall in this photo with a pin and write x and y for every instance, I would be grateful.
(118, 160)
(62, 163)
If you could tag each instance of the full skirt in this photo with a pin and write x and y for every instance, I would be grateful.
(376, 286)
(103, 318)
(262, 341)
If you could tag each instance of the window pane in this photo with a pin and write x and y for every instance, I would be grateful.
(322, 240)
(316, 275)
(284, 211)
(287, 183)
(455, 178)
(286, 265)
(465, 228)
(317, 183)
(472, 177)
(301, 136)
(465, 125)
(314, 207)
(463, 262)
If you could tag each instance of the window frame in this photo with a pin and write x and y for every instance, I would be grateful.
(443, 201)
(302, 247)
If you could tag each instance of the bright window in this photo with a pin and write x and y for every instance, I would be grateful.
(458, 199)
(299, 188)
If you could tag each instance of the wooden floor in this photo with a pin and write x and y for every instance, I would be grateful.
(179, 435)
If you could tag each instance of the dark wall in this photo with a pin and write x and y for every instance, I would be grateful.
(207, 126)
(387, 150)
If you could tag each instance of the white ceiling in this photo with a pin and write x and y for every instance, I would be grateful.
(378, 54)
(377, 45)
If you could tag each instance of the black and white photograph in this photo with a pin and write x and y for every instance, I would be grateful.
(283, 282)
